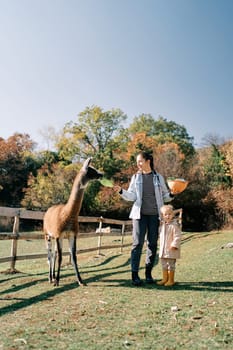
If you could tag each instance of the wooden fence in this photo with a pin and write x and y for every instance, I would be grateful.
(15, 235)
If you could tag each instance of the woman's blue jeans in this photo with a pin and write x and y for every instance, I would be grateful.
(147, 224)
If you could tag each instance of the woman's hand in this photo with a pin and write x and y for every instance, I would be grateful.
(174, 192)
(117, 188)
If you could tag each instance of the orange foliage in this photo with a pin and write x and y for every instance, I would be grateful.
(168, 160)
(14, 145)
(140, 141)
(223, 201)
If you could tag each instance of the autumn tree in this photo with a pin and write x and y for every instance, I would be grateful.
(16, 162)
(140, 141)
(219, 175)
(164, 131)
(169, 159)
(227, 149)
(51, 185)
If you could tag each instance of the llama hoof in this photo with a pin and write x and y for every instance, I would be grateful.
(82, 284)
(56, 283)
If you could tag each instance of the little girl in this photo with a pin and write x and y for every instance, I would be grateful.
(169, 250)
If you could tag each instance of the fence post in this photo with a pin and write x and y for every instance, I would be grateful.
(14, 244)
(100, 235)
(122, 236)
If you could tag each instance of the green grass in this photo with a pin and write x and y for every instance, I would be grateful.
(112, 314)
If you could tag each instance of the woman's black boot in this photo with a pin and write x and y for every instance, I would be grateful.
(136, 281)
(149, 278)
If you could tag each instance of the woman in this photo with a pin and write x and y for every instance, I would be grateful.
(149, 192)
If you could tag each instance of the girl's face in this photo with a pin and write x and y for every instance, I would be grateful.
(142, 164)
(168, 215)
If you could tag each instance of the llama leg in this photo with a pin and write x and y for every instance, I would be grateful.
(72, 244)
(58, 253)
(54, 264)
(50, 257)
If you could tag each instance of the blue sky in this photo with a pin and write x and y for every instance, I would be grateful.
(172, 58)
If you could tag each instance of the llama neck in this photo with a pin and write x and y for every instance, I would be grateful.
(76, 196)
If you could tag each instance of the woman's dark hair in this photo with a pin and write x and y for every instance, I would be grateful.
(148, 156)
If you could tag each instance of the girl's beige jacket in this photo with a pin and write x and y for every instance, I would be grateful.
(169, 236)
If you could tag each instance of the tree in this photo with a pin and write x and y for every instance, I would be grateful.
(49, 135)
(16, 162)
(51, 185)
(169, 160)
(164, 131)
(227, 149)
(143, 123)
(212, 139)
(217, 170)
(97, 134)
(92, 132)
(219, 174)
(207, 199)
(139, 141)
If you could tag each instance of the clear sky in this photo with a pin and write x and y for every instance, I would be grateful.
(172, 58)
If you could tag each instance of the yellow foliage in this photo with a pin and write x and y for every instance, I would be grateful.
(228, 152)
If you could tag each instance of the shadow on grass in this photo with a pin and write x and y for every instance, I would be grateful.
(223, 286)
(25, 302)
(102, 264)
(104, 277)
(15, 288)
(36, 299)
(84, 269)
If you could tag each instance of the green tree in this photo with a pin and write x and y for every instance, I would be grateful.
(96, 134)
(164, 131)
(51, 185)
(216, 169)
(48, 158)
(144, 123)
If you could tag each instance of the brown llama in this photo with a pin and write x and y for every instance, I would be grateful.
(62, 220)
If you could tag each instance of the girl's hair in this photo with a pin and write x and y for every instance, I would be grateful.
(166, 207)
(148, 156)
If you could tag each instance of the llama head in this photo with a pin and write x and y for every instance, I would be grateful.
(89, 172)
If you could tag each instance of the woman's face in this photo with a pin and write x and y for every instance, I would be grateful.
(142, 164)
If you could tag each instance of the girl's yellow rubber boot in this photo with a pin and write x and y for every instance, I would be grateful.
(165, 278)
(170, 282)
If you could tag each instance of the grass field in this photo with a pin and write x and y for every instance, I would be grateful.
(109, 313)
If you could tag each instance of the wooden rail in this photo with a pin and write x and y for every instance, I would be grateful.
(101, 231)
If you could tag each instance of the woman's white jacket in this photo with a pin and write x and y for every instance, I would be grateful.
(134, 193)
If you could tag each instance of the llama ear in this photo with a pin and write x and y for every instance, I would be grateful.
(86, 163)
